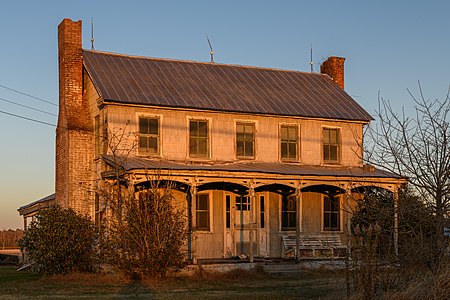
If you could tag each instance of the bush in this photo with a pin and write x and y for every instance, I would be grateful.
(59, 241)
(147, 233)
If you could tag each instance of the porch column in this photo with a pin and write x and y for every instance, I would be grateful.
(298, 198)
(396, 221)
(190, 196)
(250, 234)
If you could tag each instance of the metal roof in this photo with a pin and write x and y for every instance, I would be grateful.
(289, 169)
(219, 87)
(41, 203)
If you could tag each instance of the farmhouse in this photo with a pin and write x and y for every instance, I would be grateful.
(266, 162)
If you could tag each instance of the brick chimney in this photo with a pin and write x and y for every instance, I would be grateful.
(74, 146)
(334, 67)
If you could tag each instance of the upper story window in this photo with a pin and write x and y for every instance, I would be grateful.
(100, 135)
(198, 138)
(245, 140)
(149, 136)
(331, 214)
(289, 142)
(331, 145)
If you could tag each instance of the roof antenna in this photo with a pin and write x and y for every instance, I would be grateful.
(92, 34)
(211, 51)
(311, 59)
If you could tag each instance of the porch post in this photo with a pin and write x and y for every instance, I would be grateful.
(298, 196)
(190, 196)
(250, 234)
(396, 221)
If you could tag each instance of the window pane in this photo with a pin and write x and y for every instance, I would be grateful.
(202, 146)
(292, 133)
(326, 136)
(333, 136)
(153, 124)
(240, 148)
(143, 126)
(193, 128)
(203, 129)
(153, 145)
(284, 133)
(326, 152)
(284, 150)
(143, 143)
(202, 202)
(249, 149)
(202, 220)
(292, 150)
(333, 155)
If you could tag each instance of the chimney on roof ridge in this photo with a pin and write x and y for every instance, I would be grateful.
(334, 67)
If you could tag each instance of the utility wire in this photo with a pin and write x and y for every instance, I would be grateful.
(28, 95)
(25, 118)
(29, 107)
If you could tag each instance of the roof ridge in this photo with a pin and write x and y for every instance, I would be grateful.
(201, 62)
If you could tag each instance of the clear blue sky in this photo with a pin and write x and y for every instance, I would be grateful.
(389, 46)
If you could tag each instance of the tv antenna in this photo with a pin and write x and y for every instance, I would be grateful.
(92, 34)
(311, 59)
(211, 51)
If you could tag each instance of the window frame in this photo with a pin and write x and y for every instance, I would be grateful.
(158, 136)
(208, 138)
(337, 212)
(338, 146)
(297, 142)
(253, 141)
(208, 213)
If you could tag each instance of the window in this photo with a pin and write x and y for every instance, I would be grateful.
(288, 213)
(331, 145)
(289, 142)
(227, 211)
(198, 138)
(202, 212)
(149, 138)
(100, 135)
(331, 214)
(261, 212)
(245, 140)
(242, 203)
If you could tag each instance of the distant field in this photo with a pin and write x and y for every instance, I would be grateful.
(237, 285)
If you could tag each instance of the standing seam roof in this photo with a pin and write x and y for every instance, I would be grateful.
(212, 86)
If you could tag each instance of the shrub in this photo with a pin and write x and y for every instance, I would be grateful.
(59, 241)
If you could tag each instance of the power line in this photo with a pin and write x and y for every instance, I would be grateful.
(28, 95)
(29, 107)
(25, 118)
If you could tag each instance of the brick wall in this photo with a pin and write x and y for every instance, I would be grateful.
(334, 67)
(74, 134)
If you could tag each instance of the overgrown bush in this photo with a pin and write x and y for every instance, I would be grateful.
(59, 241)
(146, 233)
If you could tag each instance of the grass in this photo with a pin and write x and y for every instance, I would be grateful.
(235, 285)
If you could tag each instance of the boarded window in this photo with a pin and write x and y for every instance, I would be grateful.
(289, 142)
(149, 138)
(202, 212)
(198, 138)
(97, 135)
(245, 140)
(331, 145)
(331, 214)
(288, 213)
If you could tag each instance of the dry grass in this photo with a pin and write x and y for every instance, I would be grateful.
(233, 285)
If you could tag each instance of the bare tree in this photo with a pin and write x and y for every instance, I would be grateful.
(416, 147)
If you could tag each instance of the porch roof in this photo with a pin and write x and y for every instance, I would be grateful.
(288, 169)
(36, 205)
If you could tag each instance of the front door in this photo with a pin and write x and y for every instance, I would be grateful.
(237, 226)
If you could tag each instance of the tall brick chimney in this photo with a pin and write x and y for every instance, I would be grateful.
(74, 146)
(334, 67)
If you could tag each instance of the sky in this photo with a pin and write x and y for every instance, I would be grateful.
(389, 47)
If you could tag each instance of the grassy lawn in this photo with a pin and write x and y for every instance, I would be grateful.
(236, 285)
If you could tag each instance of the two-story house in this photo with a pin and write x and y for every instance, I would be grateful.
(266, 162)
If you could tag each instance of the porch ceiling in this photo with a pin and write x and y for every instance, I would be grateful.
(288, 169)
